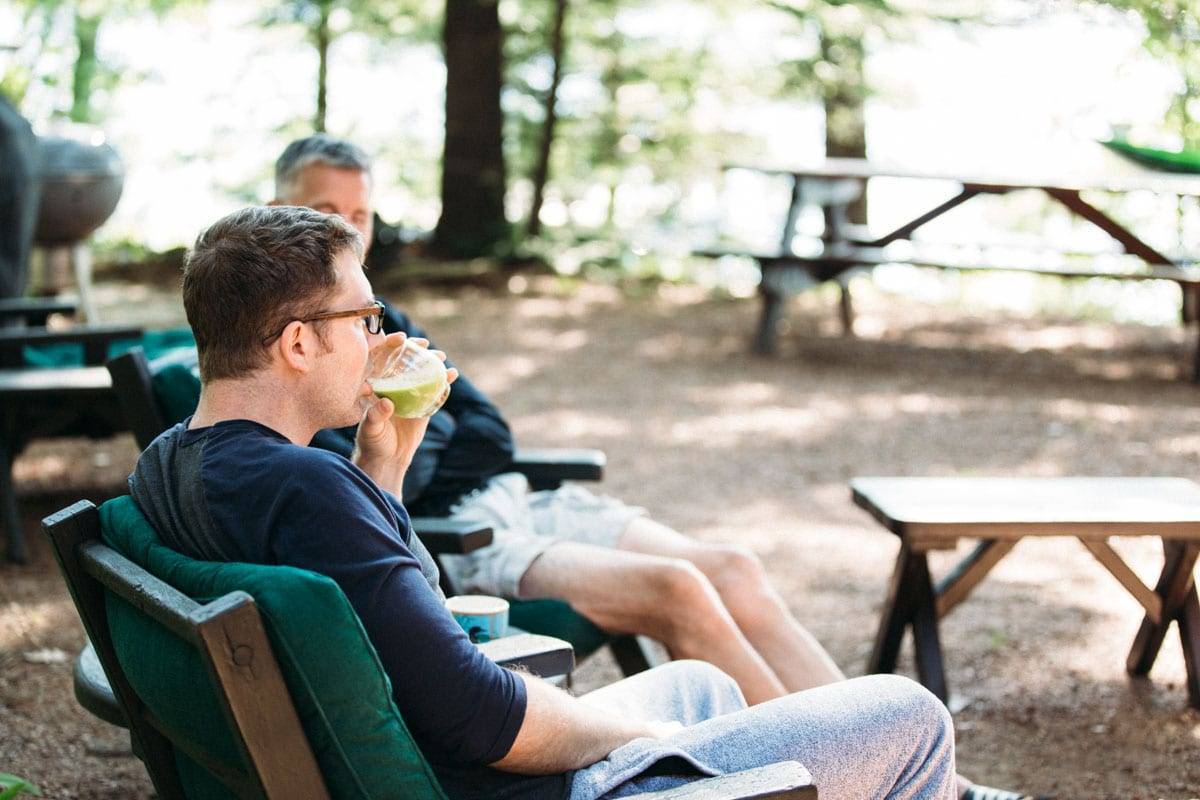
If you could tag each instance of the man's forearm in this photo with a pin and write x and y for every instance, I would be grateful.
(387, 474)
(560, 733)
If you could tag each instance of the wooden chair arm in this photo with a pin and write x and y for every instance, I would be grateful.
(547, 468)
(544, 656)
(787, 780)
(446, 535)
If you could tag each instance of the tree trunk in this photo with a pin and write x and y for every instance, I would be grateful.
(322, 39)
(541, 172)
(86, 29)
(844, 100)
(472, 222)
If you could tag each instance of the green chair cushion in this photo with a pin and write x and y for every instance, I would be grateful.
(556, 618)
(176, 381)
(341, 693)
(155, 343)
(1185, 161)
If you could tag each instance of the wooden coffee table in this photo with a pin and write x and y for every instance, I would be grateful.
(934, 513)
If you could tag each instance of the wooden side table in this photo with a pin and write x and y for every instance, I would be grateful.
(934, 513)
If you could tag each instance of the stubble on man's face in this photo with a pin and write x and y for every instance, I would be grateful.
(347, 362)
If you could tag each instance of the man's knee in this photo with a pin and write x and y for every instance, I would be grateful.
(686, 600)
(708, 689)
(736, 572)
(909, 703)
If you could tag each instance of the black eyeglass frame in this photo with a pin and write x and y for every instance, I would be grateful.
(373, 314)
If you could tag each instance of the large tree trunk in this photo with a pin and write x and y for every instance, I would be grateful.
(844, 99)
(322, 39)
(541, 172)
(86, 30)
(473, 180)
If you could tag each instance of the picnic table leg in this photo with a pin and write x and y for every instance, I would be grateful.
(1189, 636)
(910, 601)
(927, 644)
(846, 308)
(894, 616)
(1177, 589)
(766, 337)
(10, 517)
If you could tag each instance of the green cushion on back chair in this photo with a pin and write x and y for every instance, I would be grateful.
(155, 343)
(556, 618)
(339, 688)
(176, 380)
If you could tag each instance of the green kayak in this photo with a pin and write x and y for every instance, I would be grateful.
(1164, 160)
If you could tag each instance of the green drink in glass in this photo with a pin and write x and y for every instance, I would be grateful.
(414, 379)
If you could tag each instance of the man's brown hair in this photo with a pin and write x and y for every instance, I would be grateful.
(254, 271)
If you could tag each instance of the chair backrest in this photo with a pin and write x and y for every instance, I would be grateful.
(238, 680)
(154, 396)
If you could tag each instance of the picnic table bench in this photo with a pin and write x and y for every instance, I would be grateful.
(39, 403)
(843, 247)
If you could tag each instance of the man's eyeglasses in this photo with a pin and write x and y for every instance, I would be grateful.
(372, 316)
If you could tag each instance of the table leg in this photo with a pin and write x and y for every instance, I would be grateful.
(846, 308)
(1175, 587)
(927, 644)
(910, 601)
(9, 515)
(894, 617)
(766, 338)
(1189, 637)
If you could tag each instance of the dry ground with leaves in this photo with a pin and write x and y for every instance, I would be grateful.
(759, 451)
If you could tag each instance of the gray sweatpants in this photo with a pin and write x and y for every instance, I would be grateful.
(882, 736)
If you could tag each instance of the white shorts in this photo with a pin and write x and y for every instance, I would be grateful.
(524, 524)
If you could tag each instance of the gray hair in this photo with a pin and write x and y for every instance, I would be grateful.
(320, 148)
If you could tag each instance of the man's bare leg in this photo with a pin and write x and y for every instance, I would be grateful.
(794, 655)
(737, 576)
(667, 599)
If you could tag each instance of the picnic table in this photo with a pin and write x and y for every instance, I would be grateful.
(835, 183)
(930, 514)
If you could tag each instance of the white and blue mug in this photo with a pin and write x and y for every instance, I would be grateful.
(482, 616)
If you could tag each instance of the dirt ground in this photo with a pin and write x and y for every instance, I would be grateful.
(727, 447)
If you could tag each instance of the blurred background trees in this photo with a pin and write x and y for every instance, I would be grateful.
(559, 120)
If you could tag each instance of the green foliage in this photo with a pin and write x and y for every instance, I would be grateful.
(627, 111)
(42, 20)
(1173, 35)
(11, 786)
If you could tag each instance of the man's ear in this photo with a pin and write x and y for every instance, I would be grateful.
(297, 346)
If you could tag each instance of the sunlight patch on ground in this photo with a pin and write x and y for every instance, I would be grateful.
(504, 373)
(1179, 445)
(550, 342)
(736, 395)
(724, 430)
(560, 427)
(578, 302)
(1078, 410)
(22, 624)
(884, 406)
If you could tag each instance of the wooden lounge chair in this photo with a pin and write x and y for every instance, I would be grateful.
(155, 395)
(251, 681)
